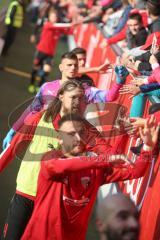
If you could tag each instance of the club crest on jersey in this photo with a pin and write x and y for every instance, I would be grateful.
(85, 181)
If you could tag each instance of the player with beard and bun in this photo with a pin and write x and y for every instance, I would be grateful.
(69, 70)
(117, 218)
(69, 180)
(34, 139)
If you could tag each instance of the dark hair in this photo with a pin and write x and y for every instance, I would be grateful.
(153, 7)
(70, 117)
(69, 55)
(136, 16)
(55, 106)
(79, 50)
(154, 108)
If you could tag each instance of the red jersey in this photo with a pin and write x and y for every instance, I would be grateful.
(67, 189)
(157, 115)
(50, 36)
(94, 140)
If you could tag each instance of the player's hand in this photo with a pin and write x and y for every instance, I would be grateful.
(153, 59)
(104, 67)
(130, 89)
(149, 134)
(121, 74)
(133, 127)
(8, 138)
(138, 81)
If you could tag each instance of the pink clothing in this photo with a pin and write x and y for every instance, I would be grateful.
(155, 76)
(105, 2)
(49, 90)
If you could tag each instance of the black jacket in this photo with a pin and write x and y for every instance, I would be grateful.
(144, 58)
(136, 40)
(154, 26)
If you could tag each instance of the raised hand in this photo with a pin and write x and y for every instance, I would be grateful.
(131, 89)
(149, 134)
(133, 126)
(104, 67)
(138, 81)
(121, 74)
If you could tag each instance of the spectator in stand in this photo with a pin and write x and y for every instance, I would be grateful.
(136, 123)
(41, 19)
(117, 218)
(82, 70)
(142, 62)
(155, 109)
(126, 11)
(136, 33)
(139, 100)
(151, 82)
(95, 14)
(106, 3)
(142, 88)
(153, 7)
(33, 9)
(122, 34)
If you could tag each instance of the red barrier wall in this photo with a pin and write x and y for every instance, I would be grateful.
(144, 191)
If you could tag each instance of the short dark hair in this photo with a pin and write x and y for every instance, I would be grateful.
(79, 50)
(153, 7)
(154, 108)
(69, 55)
(136, 16)
(70, 117)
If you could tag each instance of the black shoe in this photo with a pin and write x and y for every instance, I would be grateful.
(136, 150)
(154, 108)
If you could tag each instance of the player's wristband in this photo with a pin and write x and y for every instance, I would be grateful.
(147, 148)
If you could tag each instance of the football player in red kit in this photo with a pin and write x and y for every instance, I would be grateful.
(46, 47)
(69, 180)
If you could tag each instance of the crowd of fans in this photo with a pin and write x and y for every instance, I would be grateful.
(60, 191)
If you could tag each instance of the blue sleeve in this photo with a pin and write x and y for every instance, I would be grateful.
(149, 87)
(122, 20)
(95, 95)
(37, 103)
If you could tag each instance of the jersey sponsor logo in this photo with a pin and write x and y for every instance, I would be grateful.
(76, 202)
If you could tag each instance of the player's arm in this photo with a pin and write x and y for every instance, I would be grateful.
(149, 87)
(97, 95)
(53, 167)
(20, 142)
(149, 136)
(95, 142)
(101, 68)
(35, 106)
(129, 172)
